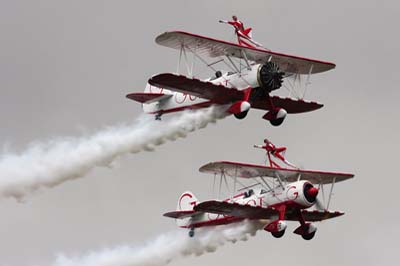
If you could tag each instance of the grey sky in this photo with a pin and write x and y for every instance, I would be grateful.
(65, 67)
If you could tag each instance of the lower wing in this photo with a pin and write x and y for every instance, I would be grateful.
(256, 212)
(220, 94)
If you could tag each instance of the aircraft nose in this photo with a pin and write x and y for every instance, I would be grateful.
(313, 192)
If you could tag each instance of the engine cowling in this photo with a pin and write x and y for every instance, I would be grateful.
(303, 193)
(269, 76)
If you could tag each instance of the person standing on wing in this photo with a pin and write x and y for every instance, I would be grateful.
(241, 32)
(277, 152)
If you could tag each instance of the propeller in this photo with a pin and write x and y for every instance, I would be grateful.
(311, 194)
(270, 76)
(319, 205)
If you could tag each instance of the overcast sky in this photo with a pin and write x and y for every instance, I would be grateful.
(66, 66)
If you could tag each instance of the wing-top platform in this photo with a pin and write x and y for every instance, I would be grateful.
(243, 170)
(210, 47)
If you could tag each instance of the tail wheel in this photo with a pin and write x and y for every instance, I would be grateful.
(278, 234)
(241, 115)
(191, 232)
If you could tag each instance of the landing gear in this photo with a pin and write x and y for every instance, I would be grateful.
(277, 122)
(308, 236)
(241, 115)
(191, 232)
(277, 228)
(306, 230)
(275, 116)
(278, 234)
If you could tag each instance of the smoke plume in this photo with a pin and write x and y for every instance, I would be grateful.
(165, 248)
(46, 165)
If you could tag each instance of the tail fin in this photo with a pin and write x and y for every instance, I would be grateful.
(184, 210)
(186, 202)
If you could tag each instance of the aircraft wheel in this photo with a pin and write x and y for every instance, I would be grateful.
(278, 234)
(308, 236)
(241, 115)
(191, 232)
(277, 122)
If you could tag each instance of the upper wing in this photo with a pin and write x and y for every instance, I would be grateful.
(291, 175)
(213, 48)
(222, 95)
(236, 210)
(216, 93)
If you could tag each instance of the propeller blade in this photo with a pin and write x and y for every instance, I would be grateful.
(319, 205)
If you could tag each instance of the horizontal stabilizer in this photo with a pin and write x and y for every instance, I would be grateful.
(143, 97)
(181, 214)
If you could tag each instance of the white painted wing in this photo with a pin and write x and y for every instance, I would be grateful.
(244, 170)
(210, 47)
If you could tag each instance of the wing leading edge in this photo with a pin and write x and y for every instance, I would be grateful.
(244, 170)
(210, 47)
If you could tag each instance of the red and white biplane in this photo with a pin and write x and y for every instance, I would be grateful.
(253, 72)
(277, 195)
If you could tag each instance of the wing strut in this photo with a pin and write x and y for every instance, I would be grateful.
(307, 81)
(245, 59)
(234, 182)
(233, 64)
(266, 183)
(237, 69)
(330, 193)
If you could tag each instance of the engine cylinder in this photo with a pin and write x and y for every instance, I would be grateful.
(269, 76)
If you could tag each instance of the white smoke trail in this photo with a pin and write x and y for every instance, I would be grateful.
(46, 165)
(166, 247)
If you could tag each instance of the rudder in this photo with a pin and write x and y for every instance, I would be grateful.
(186, 201)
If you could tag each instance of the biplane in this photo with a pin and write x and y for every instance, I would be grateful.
(251, 74)
(277, 195)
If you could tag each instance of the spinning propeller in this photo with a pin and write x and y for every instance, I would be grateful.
(270, 76)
